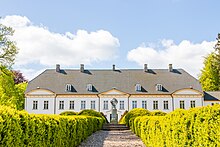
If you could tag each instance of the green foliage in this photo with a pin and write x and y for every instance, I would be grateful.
(19, 128)
(8, 50)
(209, 77)
(122, 119)
(89, 112)
(68, 113)
(190, 128)
(158, 113)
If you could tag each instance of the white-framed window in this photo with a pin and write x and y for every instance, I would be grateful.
(144, 104)
(134, 104)
(35, 105)
(92, 104)
(121, 105)
(182, 105)
(105, 105)
(138, 87)
(71, 105)
(61, 105)
(83, 105)
(165, 105)
(155, 105)
(68, 87)
(159, 87)
(46, 103)
(193, 104)
(89, 87)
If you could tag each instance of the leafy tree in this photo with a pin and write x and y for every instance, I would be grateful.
(18, 77)
(8, 50)
(20, 97)
(210, 74)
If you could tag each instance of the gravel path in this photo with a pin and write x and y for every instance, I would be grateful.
(113, 139)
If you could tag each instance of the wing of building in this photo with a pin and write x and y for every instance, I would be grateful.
(58, 90)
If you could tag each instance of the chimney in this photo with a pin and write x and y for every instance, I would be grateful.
(57, 67)
(145, 68)
(81, 67)
(113, 67)
(170, 68)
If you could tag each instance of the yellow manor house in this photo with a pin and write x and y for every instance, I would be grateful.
(58, 90)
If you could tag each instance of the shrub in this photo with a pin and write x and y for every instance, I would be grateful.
(68, 113)
(89, 112)
(194, 127)
(19, 128)
(122, 119)
(158, 113)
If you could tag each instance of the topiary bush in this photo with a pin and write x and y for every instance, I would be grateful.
(158, 113)
(89, 112)
(68, 113)
(122, 119)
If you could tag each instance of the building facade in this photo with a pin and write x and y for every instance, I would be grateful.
(57, 90)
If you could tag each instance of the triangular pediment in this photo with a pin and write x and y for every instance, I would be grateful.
(187, 91)
(113, 92)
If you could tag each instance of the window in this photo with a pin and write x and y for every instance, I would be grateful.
(134, 104)
(71, 105)
(159, 87)
(89, 87)
(182, 105)
(92, 104)
(165, 105)
(35, 105)
(46, 105)
(61, 105)
(122, 105)
(193, 104)
(138, 87)
(155, 105)
(83, 104)
(105, 107)
(144, 104)
(68, 87)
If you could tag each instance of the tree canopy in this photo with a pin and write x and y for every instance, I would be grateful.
(210, 74)
(8, 49)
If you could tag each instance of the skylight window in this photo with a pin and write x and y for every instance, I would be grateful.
(138, 87)
(159, 87)
(68, 87)
(89, 87)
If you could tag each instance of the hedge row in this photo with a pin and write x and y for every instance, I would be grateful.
(18, 128)
(181, 128)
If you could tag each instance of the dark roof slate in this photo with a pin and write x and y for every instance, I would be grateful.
(212, 95)
(123, 80)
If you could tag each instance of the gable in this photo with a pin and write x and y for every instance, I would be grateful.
(113, 92)
(40, 92)
(187, 91)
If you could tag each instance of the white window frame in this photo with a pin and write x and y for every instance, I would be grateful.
(46, 105)
(105, 105)
(182, 104)
(89, 87)
(93, 105)
(68, 87)
(192, 104)
(159, 87)
(144, 104)
(138, 87)
(72, 105)
(61, 105)
(121, 105)
(35, 105)
(166, 105)
(155, 105)
(134, 104)
(83, 105)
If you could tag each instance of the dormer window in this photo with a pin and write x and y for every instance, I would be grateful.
(89, 87)
(68, 87)
(138, 87)
(159, 87)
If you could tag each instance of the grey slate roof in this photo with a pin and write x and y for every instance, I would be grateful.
(123, 80)
(212, 96)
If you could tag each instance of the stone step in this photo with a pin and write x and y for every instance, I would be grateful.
(111, 127)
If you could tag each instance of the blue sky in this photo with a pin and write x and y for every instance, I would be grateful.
(144, 28)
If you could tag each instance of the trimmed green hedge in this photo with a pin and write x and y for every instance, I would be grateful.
(89, 112)
(194, 127)
(68, 113)
(19, 128)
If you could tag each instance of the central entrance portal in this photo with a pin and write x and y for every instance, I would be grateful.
(114, 115)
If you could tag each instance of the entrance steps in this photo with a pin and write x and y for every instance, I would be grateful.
(114, 127)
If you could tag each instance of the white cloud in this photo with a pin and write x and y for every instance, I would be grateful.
(39, 45)
(186, 55)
